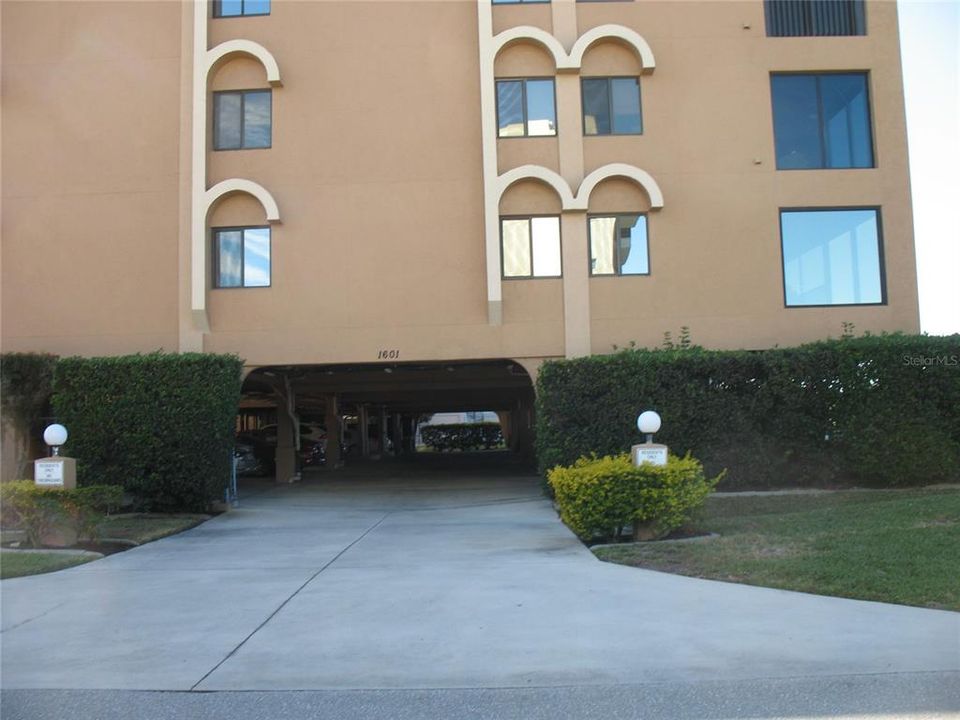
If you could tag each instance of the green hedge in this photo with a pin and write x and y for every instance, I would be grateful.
(26, 383)
(877, 410)
(599, 497)
(161, 426)
(462, 436)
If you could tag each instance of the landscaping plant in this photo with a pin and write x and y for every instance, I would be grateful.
(26, 383)
(598, 497)
(159, 425)
(462, 436)
(40, 510)
(876, 410)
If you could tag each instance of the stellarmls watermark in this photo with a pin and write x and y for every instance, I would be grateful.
(952, 361)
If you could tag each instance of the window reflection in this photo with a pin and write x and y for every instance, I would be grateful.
(242, 119)
(230, 258)
(242, 257)
(526, 108)
(236, 8)
(510, 108)
(831, 257)
(618, 245)
(541, 114)
(530, 247)
(516, 248)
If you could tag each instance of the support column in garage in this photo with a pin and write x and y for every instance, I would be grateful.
(286, 457)
(363, 422)
(288, 433)
(383, 431)
(332, 423)
(397, 434)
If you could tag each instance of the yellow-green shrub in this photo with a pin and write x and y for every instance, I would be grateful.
(38, 510)
(598, 497)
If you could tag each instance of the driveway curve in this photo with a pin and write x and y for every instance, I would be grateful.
(425, 575)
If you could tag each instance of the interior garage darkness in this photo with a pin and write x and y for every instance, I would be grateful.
(372, 410)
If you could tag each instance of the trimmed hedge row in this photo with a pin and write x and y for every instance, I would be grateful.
(161, 426)
(877, 410)
(462, 436)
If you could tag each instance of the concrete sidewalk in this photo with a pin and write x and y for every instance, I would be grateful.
(427, 579)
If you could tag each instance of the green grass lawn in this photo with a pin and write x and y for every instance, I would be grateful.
(17, 564)
(892, 546)
(145, 527)
(137, 528)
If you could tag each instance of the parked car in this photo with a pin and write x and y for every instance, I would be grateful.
(309, 432)
(313, 454)
(250, 459)
(313, 441)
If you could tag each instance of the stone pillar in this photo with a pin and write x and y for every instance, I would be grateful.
(332, 423)
(383, 431)
(505, 417)
(286, 456)
(363, 423)
(410, 434)
(397, 435)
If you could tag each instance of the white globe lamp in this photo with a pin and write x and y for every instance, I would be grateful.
(55, 435)
(648, 423)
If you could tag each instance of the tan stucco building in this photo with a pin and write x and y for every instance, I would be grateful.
(336, 183)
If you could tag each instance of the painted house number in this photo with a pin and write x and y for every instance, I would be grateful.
(388, 355)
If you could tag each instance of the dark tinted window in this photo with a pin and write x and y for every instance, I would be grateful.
(242, 119)
(821, 121)
(611, 106)
(796, 18)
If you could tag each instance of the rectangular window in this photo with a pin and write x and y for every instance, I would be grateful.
(526, 108)
(242, 257)
(236, 8)
(618, 245)
(806, 18)
(242, 119)
(832, 257)
(611, 106)
(530, 247)
(821, 121)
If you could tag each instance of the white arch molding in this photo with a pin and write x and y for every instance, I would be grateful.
(572, 61)
(614, 32)
(539, 173)
(528, 33)
(618, 170)
(239, 185)
(580, 202)
(233, 48)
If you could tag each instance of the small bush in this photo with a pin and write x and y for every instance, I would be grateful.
(462, 436)
(39, 510)
(598, 497)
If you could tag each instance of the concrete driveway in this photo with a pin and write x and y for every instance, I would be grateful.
(426, 577)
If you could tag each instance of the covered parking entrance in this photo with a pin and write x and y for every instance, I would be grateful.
(328, 416)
